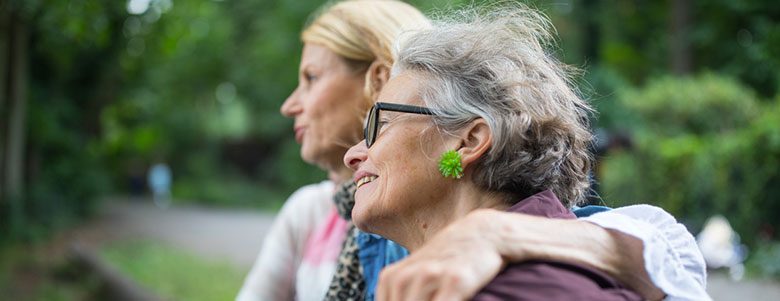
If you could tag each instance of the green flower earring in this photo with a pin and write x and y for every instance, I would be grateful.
(450, 165)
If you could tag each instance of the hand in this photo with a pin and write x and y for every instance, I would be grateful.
(454, 265)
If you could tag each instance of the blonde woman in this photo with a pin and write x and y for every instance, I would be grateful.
(312, 250)
(346, 58)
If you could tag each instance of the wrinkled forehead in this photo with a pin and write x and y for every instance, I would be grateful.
(404, 88)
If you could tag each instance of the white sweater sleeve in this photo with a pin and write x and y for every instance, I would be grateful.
(672, 258)
(273, 275)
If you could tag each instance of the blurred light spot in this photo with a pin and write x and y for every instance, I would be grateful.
(744, 38)
(132, 27)
(137, 7)
(136, 47)
(163, 5)
(199, 28)
(226, 92)
(152, 16)
(100, 23)
(563, 7)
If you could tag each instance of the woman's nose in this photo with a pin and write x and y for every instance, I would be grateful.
(356, 155)
(292, 105)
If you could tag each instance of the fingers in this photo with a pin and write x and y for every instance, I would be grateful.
(391, 285)
(423, 284)
(450, 291)
(423, 279)
(453, 265)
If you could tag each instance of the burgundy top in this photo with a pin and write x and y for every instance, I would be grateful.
(543, 280)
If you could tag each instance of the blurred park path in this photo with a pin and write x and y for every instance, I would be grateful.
(236, 235)
(720, 287)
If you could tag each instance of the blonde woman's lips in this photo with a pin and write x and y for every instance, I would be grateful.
(299, 132)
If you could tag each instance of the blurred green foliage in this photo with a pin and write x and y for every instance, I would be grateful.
(704, 105)
(765, 260)
(703, 145)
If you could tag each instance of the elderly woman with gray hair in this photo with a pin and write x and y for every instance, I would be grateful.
(478, 115)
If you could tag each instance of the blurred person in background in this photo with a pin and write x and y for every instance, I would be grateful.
(313, 251)
(721, 247)
(159, 179)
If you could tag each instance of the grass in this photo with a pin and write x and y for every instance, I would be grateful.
(30, 272)
(173, 273)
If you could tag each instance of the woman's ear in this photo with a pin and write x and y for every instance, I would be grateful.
(476, 140)
(376, 77)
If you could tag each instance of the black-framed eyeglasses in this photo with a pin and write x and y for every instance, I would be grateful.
(372, 121)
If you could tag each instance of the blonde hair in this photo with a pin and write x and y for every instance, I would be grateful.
(363, 31)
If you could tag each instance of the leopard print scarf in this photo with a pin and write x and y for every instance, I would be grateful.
(345, 199)
(347, 283)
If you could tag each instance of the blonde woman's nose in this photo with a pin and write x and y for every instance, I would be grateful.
(292, 105)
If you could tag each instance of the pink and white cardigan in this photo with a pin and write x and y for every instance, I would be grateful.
(300, 252)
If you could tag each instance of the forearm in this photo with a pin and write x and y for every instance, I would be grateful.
(523, 237)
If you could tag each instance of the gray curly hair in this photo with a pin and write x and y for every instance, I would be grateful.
(494, 65)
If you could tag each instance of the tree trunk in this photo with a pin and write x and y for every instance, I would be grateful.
(4, 45)
(679, 45)
(17, 113)
(591, 38)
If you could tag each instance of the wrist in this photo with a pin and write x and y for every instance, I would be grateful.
(500, 233)
(523, 237)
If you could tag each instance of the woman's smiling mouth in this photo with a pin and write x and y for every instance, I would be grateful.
(364, 180)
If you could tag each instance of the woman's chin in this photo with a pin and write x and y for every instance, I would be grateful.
(361, 216)
(315, 157)
(359, 211)
(307, 155)
(361, 220)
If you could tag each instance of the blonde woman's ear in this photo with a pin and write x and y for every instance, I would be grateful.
(376, 77)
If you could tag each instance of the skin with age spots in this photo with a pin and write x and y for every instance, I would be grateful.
(408, 200)
(377, 204)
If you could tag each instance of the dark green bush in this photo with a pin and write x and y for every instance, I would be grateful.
(692, 105)
(765, 260)
(703, 145)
